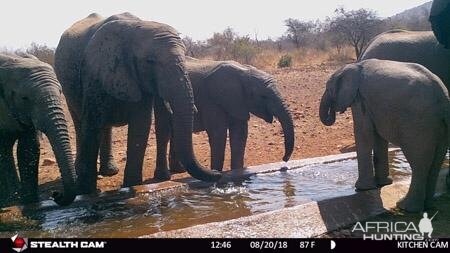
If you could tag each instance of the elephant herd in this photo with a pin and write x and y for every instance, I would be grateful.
(114, 71)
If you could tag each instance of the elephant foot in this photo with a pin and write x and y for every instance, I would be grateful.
(365, 185)
(176, 168)
(161, 175)
(132, 182)
(429, 205)
(108, 170)
(410, 205)
(447, 180)
(84, 188)
(384, 181)
(29, 198)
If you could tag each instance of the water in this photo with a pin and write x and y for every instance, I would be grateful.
(149, 214)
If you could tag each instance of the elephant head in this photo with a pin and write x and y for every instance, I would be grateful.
(252, 91)
(135, 58)
(341, 91)
(32, 95)
(440, 21)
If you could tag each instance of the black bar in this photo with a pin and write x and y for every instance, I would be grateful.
(225, 245)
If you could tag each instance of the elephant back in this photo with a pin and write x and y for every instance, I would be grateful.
(411, 46)
(69, 54)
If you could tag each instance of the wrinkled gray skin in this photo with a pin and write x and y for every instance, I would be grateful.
(440, 21)
(401, 103)
(225, 92)
(30, 101)
(409, 46)
(111, 70)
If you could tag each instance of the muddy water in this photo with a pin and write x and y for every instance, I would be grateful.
(149, 214)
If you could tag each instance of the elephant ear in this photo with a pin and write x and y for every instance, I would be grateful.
(224, 87)
(346, 84)
(108, 62)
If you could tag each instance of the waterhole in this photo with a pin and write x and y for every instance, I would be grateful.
(146, 214)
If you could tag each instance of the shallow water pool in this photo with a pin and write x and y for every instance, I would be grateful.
(146, 214)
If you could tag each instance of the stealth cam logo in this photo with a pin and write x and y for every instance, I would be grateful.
(19, 244)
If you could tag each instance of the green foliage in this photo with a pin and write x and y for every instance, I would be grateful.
(285, 61)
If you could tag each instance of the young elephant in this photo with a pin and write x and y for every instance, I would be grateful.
(401, 103)
(225, 94)
(30, 101)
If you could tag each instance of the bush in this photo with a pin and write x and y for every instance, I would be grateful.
(285, 61)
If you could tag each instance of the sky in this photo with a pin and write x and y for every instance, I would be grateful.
(43, 21)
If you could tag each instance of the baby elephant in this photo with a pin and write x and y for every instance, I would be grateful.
(401, 103)
(225, 93)
(30, 101)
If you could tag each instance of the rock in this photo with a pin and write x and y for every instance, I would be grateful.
(48, 162)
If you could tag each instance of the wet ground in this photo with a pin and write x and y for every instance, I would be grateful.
(146, 213)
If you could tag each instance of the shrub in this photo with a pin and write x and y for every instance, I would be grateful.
(285, 61)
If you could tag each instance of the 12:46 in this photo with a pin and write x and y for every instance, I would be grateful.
(221, 245)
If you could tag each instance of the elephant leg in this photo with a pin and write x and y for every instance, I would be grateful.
(420, 159)
(381, 161)
(364, 138)
(9, 181)
(433, 175)
(86, 161)
(217, 136)
(28, 162)
(163, 133)
(107, 165)
(138, 131)
(238, 140)
(174, 163)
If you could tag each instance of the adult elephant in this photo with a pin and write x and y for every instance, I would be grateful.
(409, 46)
(440, 21)
(30, 101)
(225, 92)
(402, 103)
(111, 70)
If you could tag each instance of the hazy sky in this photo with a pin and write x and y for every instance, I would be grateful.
(43, 21)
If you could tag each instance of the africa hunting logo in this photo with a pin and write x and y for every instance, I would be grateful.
(400, 230)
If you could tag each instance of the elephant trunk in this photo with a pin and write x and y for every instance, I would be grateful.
(326, 110)
(182, 104)
(53, 124)
(284, 116)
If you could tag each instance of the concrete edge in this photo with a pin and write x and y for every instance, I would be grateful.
(302, 221)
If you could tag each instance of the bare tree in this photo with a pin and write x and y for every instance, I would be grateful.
(356, 26)
(297, 30)
(42, 52)
(220, 44)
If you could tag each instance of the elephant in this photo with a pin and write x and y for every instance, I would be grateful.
(31, 102)
(110, 71)
(397, 102)
(225, 93)
(409, 46)
(440, 21)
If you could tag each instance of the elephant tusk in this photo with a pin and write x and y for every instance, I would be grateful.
(195, 109)
(167, 105)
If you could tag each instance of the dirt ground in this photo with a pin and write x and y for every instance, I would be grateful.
(301, 86)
